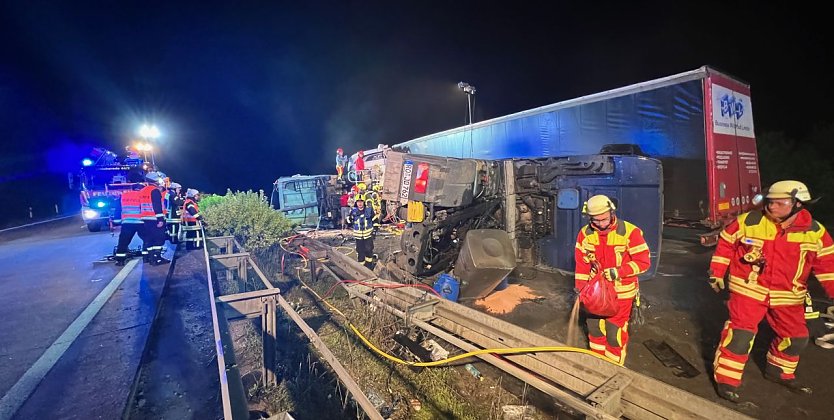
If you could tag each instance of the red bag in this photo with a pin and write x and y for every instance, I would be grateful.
(599, 297)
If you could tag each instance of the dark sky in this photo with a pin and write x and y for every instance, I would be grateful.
(250, 91)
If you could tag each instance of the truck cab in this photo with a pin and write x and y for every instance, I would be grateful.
(307, 200)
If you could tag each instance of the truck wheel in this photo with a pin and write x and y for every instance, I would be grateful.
(94, 226)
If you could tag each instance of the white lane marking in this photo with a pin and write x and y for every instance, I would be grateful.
(27, 383)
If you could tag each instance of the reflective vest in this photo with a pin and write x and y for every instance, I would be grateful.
(131, 207)
(187, 217)
(621, 246)
(146, 206)
(769, 263)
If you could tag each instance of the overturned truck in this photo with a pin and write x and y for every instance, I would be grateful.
(678, 150)
(538, 202)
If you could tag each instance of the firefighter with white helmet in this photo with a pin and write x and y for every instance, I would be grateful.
(614, 249)
(192, 220)
(173, 206)
(765, 257)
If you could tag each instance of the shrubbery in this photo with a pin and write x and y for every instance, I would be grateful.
(247, 216)
(210, 200)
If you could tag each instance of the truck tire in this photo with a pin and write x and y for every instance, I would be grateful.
(94, 226)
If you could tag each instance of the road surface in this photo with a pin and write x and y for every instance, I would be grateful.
(73, 330)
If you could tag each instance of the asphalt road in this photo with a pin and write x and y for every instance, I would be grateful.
(61, 357)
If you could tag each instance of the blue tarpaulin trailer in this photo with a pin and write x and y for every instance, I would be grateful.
(699, 124)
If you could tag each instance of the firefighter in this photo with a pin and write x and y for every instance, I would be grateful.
(192, 220)
(341, 163)
(173, 208)
(344, 205)
(374, 201)
(363, 231)
(767, 256)
(359, 166)
(153, 217)
(128, 214)
(614, 249)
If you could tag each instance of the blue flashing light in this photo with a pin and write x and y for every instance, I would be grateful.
(87, 162)
(101, 204)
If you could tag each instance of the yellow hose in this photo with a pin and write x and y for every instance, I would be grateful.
(506, 350)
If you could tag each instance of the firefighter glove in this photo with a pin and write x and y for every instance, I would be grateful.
(717, 283)
(611, 274)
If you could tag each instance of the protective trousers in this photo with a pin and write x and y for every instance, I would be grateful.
(365, 251)
(154, 240)
(609, 336)
(126, 234)
(788, 322)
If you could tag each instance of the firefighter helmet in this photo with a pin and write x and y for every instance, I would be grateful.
(191, 193)
(377, 187)
(597, 205)
(789, 189)
(361, 186)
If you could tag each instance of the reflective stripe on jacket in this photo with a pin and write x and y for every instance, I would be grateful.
(778, 260)
(621, 246)
(131, 207)
(363, 224)
(190, 211)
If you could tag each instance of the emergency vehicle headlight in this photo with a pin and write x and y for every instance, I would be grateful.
(87, 162)
(90, 214)
(101, 204)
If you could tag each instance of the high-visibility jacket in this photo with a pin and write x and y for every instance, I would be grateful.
(151, 203)
(779, 260)
(621, 246)
(363, 225)
(130, 208)
(190, 211)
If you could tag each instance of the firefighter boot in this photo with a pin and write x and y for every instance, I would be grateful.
(792, 384)
(727, 392)
(157, 259)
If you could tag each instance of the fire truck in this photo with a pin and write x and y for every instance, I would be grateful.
(102, 179)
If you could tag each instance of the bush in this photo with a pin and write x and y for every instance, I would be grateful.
(210, 200)
(248, 217)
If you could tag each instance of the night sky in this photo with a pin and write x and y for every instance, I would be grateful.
(247, 92)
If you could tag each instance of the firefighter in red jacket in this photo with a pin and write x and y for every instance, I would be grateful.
(768, 255)
(615, 249)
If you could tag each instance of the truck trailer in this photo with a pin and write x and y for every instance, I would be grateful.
(698, 124)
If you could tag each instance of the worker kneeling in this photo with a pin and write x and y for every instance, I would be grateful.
(613, 250)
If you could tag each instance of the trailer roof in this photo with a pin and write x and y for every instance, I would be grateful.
(697, 74)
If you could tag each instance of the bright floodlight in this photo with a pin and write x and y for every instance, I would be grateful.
(87, 162)
(466, 87)
(148, 131)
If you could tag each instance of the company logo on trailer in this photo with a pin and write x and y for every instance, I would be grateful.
(732, 112)
(732, 106)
